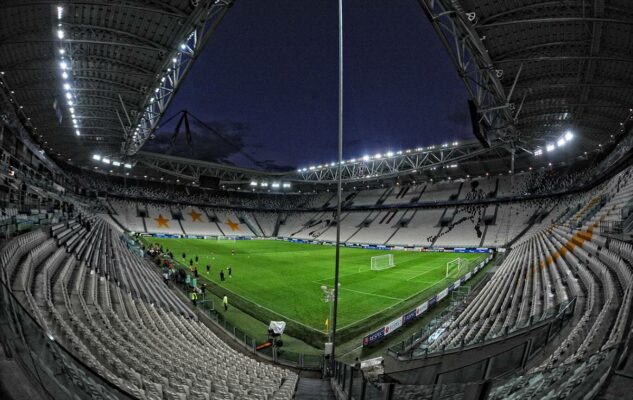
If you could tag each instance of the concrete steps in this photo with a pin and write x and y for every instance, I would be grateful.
(314, 389)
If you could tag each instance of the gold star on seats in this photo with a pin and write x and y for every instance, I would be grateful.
(195, 216)
(233, 225)
(161, 221)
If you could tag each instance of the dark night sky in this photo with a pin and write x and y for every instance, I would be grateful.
(267, 80)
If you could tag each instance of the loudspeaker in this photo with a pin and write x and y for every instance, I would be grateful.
(209, 182)
(479, 127)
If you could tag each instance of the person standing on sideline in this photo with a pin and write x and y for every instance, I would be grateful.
(222, 275)
(229, 271)
(208, 269)
(225, 301)
(194, 297)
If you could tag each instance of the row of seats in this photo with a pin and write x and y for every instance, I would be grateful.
(116, 315)
(568, 259)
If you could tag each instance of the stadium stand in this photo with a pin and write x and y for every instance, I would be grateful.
(568, 259)
(110, 308)
(108, 305)
(545, 191)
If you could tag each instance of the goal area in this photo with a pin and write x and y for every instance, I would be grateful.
(378, 263)
(457, 267)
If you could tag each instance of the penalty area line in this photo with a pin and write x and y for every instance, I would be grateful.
(366, 293)
(372, 294)
(426, 272)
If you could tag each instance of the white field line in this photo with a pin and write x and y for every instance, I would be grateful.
(393, 305)
(426, 272)
(371, 294)
(268, 309)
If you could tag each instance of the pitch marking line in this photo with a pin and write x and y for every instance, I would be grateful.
(426, 272)
(365, 293)
(371, 294)
(393, 305)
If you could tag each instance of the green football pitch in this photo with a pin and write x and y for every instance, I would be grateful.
(286, 278)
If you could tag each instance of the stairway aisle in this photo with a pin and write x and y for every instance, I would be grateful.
(314, 389)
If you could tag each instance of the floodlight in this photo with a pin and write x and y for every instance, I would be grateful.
(569, 136)
(550, 147)
(65, 75)
(116, 163)
(78, 133)
(60, 33)
(390, 154)
(253, 183)
(561, 142)
(96, 157)
(105, 160)
(128, 166)
(275, 184)
(365, 158)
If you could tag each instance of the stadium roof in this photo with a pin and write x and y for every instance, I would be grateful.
(534, 70)
(96, 76)
(537, 69)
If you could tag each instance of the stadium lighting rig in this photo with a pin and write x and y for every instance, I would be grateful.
(176, 66)
(274, 185)
(65, 66)
(107, 160)
(378, 156)
(567, 137)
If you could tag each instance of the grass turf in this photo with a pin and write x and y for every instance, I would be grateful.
(285, 278)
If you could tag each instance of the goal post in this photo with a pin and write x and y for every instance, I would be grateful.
(457, 267)
(378, 263)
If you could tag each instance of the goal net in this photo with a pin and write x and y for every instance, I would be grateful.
(456, 267)
(379, 263)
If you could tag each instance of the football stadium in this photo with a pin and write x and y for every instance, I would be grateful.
(221, 199)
